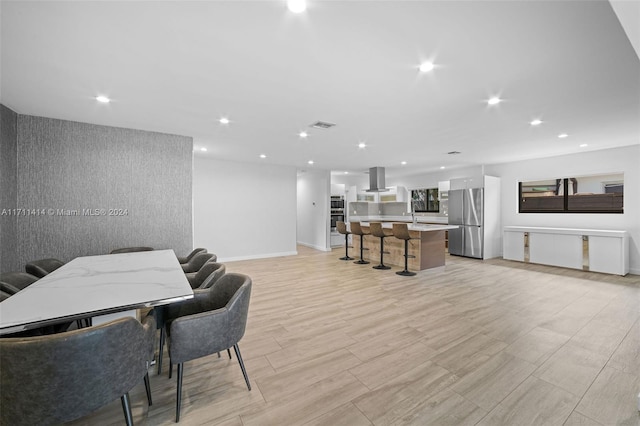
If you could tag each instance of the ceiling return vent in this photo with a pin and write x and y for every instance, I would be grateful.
(376, 180)
(321, 125)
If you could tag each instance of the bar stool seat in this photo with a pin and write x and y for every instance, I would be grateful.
(378, 231)
(401, 231)
(342, 229)
(356, 229)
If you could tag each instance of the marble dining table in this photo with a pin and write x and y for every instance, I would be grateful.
(97, 287)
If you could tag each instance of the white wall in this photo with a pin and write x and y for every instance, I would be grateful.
(244, 210)
(609, 161)
(314, 193)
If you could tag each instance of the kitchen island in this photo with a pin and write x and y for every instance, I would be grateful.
(428, 247)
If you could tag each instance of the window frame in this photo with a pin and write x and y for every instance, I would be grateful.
(565, 204)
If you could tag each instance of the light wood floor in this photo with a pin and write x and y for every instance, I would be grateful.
(477, 342)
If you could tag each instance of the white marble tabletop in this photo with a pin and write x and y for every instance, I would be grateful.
(93, 285)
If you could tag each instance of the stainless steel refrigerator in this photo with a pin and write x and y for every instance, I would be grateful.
(466, 208)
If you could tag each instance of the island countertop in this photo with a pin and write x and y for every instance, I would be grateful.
(384, 218)
(419, 227)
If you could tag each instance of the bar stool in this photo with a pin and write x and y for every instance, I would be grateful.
(401, 231)
(342, 228)
(378, 231)
(356, 229)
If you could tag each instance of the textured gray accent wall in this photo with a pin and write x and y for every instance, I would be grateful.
(8, 190)
(69, 168)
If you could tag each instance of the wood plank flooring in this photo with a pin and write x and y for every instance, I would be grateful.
(477, 342)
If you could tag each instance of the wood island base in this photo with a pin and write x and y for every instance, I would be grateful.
(427, 245)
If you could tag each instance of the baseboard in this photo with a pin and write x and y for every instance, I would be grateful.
(257, 256)
(313, 246)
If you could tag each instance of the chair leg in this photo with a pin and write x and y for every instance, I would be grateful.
(179, 396)
(346, 248)
(236, 348)
(229, 352)
(126, 407)
(406, 271)
(170, 368)
(361, 261)
(147, 387)
(382, 265)
(161, 350)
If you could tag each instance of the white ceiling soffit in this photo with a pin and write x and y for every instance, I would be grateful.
(628, 13)
(179, 67)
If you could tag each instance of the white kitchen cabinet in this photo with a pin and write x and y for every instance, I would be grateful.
(594, 250)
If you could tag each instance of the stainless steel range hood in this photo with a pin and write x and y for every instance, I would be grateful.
(376, 180)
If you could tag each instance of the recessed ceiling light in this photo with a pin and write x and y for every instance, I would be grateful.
(346, 173)
(441, 167)
(494, 100)
(203, 149)
(362, 145)
(263, 156)
(403, 163)
(103, 99)
(303, 134)
(310, 162)
(297, 6)
(224, 120)
(426, 66)
(536, 122)
(582, 145)
(563, 135)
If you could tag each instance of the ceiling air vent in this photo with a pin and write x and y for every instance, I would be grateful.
(322, 125)
(454, 152)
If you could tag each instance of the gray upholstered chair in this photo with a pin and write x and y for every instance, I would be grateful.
(187, 258)
(4, 295)
(198, 261)
(214, 320)
(130, 250)
(42, 267)
(13, 282)
(206, 276)
(61, 377)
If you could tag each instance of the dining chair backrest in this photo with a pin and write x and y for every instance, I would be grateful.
(13, 282)
(198, 261)
(42, 267)
(57, 378)
(130, 250)
(187, 258)
(209, 274)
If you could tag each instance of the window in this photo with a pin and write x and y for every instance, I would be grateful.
(582, 194)
(425, 200)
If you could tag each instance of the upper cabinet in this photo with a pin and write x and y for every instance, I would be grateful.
(395, 193)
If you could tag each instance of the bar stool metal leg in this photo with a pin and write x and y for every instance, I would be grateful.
(382, 265)
(362, 261)
(406, 271)
(346, 248)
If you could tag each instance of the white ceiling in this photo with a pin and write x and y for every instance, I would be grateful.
(177, 67)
